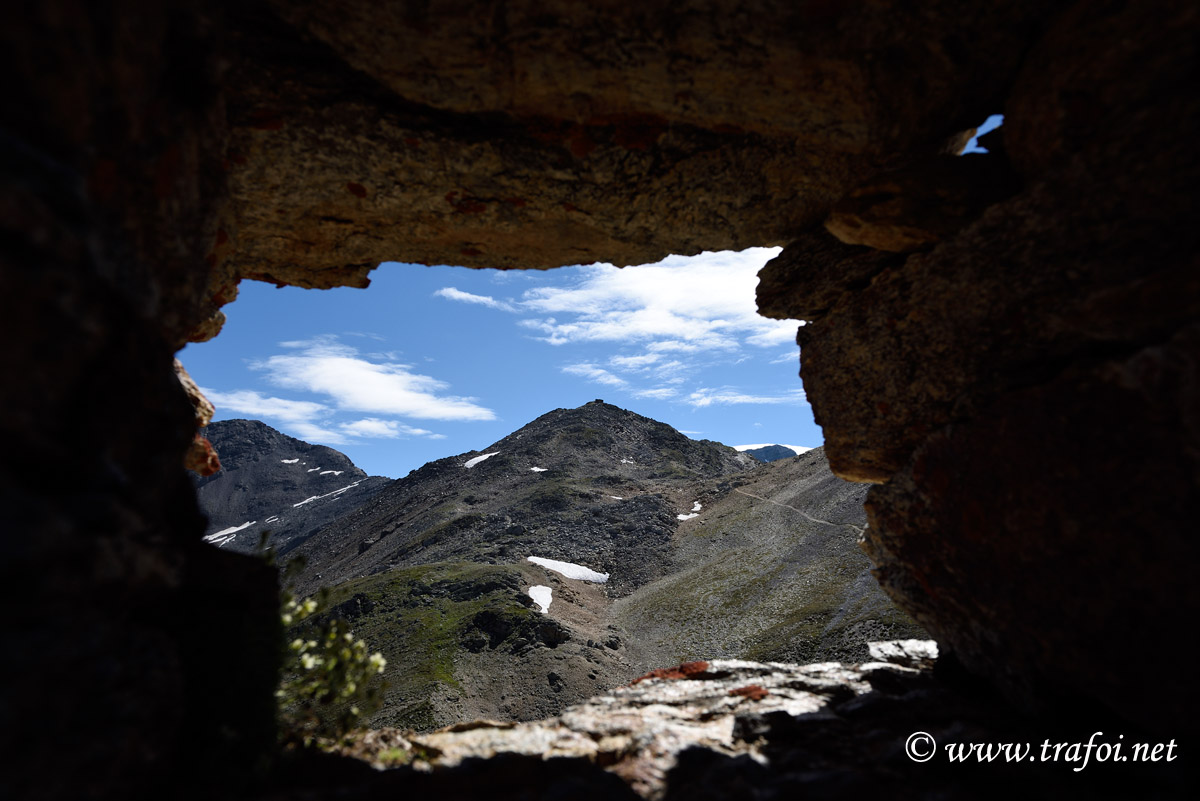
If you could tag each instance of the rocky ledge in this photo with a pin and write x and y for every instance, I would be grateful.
(738, 729)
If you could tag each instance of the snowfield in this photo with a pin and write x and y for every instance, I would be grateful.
(219, 538)
(542, 596)
(290, 461)
(570, 570)
(337, 491)
(478, 459)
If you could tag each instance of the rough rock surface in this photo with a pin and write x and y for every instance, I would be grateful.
(922, 204)
(536, 141)
(153, 155)
(1059, 325)
(734, 729)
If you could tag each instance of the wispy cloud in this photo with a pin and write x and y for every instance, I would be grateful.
(245, 401)
(374, 427)
(635, 362)
(451, 293)
(727, 396)
(354, 383)
(657, 393)
(595, 374)
(309, 420)
(787, 357)
(301, 418)
(664, 325)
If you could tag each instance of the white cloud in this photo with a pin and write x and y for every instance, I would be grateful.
(787, 357)
(299, 417)
(313, 432)
(665, 325)
(244, 401)
(682, 304)
(635, 362)
(595, 374)
(658, 393)
(354, 383)
(727, 396)
(451, 293)
(380, 429)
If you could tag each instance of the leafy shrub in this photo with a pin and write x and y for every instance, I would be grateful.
(329, 678)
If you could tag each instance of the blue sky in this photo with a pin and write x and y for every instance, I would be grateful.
(435, 361)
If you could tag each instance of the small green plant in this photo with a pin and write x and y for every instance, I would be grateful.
(329, 678)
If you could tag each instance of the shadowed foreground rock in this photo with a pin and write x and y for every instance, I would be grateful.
(734, 729)
(1025, 393)
(1023, 388)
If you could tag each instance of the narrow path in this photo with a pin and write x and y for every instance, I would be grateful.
(859, 529)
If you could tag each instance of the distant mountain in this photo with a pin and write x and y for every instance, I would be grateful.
(597, 485)
(772, 453)
(270, 483)
(693, 550)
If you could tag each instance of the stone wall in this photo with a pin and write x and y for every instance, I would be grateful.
(1007, 347)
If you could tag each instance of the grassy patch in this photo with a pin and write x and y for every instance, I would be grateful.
(421, 617)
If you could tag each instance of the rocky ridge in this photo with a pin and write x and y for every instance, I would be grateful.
(597, 485)
(275, 487)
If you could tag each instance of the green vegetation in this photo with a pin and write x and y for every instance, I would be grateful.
(327, 678)
(421, 617)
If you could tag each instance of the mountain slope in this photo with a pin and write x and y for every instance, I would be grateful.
(709, 553)
(596, 485)
(270, 483)
(771, 571)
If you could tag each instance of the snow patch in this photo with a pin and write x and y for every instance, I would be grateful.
(338, 491)
(219, 538)
(290, 461)
(696, 507)
(331, 472)
(539, 469)
(271, 519)
(686, 517)
(541, 595)
(616, 497)
(628, 461)
(570, 570)
(478, 459)
(312, 470)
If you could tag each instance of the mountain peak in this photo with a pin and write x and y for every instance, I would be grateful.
(601, 438)
(270, 483)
